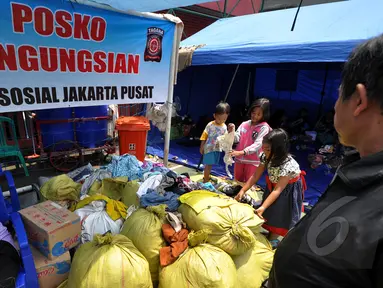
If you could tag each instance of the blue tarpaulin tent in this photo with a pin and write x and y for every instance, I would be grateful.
(322, 33)
(243, 57)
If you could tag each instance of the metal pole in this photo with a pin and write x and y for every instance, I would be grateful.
(262, 6)
(231, 83)
(25, 125)
(236, 4)
(20, 190)
(323, 93)
(190, 91)
(296, 15)
(224, 9)
(199, 163)
(33, 135)
(34, 155)
(174, 14)
(196, 13)
(170, 97)
(247, 100)
(252, 5)
(219, 7)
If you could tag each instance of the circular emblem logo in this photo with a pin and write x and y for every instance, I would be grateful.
(154, 45)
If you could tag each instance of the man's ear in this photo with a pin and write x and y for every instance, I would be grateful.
(361, 99)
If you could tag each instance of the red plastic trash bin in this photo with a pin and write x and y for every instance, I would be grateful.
(132, 133)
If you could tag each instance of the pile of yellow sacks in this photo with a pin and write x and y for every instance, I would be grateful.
(226, 249)
(236, 249)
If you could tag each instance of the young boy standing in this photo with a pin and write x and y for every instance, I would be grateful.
(209, 144)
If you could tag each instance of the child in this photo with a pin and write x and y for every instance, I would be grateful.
(209, 144)
(282, 201)
(249, 138)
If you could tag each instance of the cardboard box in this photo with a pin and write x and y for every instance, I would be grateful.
(51, 273)
(52, 229)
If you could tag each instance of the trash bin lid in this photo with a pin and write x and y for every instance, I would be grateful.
(133, 123)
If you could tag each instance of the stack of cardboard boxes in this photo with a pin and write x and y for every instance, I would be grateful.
(52, 231)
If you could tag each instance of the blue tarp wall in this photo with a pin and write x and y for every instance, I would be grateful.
(311, 84)
(200, 88)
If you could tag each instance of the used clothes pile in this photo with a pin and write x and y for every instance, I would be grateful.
(144, 225)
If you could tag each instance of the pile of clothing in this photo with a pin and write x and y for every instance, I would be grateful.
(329, 156)
(177, 230)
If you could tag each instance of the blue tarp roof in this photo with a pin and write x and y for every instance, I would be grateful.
(323, 33)
(148, 5)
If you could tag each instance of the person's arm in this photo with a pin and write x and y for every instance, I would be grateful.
(231, 128)
(256, 146)
(202, 147)
(281, 185)
(237, 134)
(251, 182)
(203, 139)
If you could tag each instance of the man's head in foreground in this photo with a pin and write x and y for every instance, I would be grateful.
(359, 110)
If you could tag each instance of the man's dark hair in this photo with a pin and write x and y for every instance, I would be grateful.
(365, 66)
(264, 104)
(222, 108)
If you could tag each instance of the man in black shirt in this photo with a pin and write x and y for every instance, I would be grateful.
(340, 242)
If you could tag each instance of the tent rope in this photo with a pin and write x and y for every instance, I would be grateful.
(296, 15)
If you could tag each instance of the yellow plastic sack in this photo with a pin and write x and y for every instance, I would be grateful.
(110, 187)
(144, 228)
(232, 224)
(253, 267)
(61, 188)
(200, 200)
(129, 196)
(109, 262)
(202, 266)
(113, 187)
(95, 188)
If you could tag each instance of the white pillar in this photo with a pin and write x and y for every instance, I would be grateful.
(172, 75)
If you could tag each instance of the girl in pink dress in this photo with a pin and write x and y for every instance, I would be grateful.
(249, 137)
